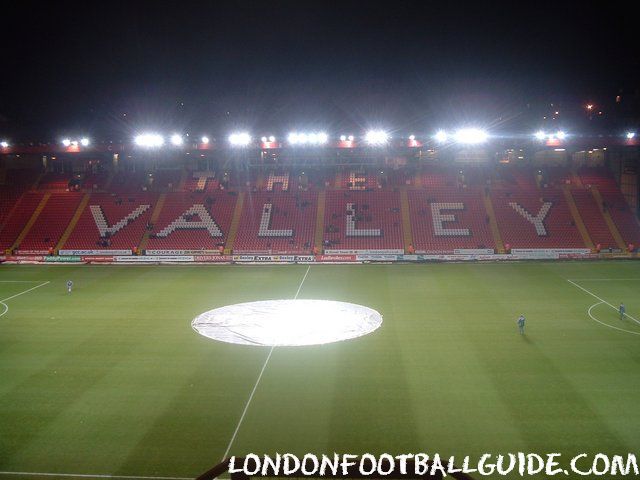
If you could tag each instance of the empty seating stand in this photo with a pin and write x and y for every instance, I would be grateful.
(277, 222)
(363, 220)
(445, 219)
(112, 221)
(532, 218)
(52, 222)
(193, 221)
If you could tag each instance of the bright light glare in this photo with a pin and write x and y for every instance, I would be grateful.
(540, 135)
(205, 140)
(149, 140)
(343, 138)
(350, 138)
(376, 137)
(471, 136)
(412, 137)
(630, 135)
(241, 139)
(313, 138)
(561, 135)
(66, 142)
(272, 138)
(176, 139)
(263, 139)
(4, 144)
(441, 136)
(84, 142)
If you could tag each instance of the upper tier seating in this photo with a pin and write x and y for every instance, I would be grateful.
(112, 221)
(277, 222)
(363, 220)
(193, 221)
(52, 222)
(55, 182)
(444, 219)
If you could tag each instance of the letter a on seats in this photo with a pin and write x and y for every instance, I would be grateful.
(181, 223)
(538, 220)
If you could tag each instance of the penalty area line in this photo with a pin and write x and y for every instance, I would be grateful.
(601, 300)
(255, 387)
(6, 307)
(90, 475)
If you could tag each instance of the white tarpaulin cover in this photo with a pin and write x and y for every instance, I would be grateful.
(287, 322)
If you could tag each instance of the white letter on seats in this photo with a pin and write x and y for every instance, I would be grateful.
(181, 223)
(439, 218)
(275, 179)
(538, 219)
(265, 224)
(352, 231)
(101, 222)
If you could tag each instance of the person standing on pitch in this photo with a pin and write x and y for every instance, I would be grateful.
(521, 321)
(69, 286)
(622, 311)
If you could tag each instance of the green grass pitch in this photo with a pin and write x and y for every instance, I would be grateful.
(112, 379)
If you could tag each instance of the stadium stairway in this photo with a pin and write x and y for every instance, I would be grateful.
(183, 180)
(235, 224)
(577, 218)
(317, 242)
(154, 219)
(406, 219)
(493, 223)
(609, 221)
(74, 220)
(32, 220)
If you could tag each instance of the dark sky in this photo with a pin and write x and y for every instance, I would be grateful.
(271, 66)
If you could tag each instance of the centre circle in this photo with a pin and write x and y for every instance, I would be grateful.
(285, 323)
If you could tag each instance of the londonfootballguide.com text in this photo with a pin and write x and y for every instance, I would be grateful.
(522, 464)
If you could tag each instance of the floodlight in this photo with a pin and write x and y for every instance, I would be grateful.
(4, 144)
(343, 138)
(376, 137)
(149, 140)
(629, 135)
(441, 136)
(84, 142)
(293, 138)
(241, 139)
(272, 138)
(350, 138)
(66, 142)
(561, 135)
(205, 140)
(322, 137)
(540, 135)
(412, 137)
(176, 139)
(263, 139)
(302, 138)
(471, 136)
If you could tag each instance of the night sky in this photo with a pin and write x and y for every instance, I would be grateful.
(109, 69)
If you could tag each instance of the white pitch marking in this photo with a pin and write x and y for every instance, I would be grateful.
(255, 387)
(89, 475)
(601, 300)
(19, 281)
(6, 307)
(606, 324)
(603, 279)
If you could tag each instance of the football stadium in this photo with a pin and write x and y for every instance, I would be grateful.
(302, 239)
(113, 257)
